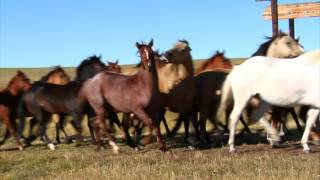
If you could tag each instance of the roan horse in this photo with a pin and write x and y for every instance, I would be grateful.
(44, 99)
(297, 80)
(138, 94)
(9, 100)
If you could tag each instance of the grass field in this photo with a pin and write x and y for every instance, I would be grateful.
(255, 159)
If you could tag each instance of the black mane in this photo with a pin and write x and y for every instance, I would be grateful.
(89, 67)
(263, 49)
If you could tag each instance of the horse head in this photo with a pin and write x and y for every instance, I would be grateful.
(19, 83)
(180, 54)
(114, 66)
(280, 46)
(146, 53)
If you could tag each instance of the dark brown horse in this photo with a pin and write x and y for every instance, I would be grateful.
(137, 94)
(56, 76)
(9, 100)
(44, 99)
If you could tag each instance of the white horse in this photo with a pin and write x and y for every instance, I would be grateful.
(297, 82)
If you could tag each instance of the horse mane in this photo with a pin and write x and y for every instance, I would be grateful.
(263, 48)
(182, 45)
(46, 77)
(88, 65)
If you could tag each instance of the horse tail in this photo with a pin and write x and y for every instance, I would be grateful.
(226, 97)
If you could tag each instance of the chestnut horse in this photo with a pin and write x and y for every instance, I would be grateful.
(44, 99)
(137, 94)
(9, 100)
(217, 62)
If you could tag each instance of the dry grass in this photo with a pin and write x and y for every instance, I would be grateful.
(256, 161)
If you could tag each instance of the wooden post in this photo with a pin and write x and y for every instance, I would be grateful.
(291, 27)
(274, 12)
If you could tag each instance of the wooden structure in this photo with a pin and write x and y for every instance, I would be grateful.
(291, 12)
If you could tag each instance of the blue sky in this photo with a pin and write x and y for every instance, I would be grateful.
(42, 33)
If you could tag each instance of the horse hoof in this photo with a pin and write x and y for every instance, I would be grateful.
(51, 146)
(137, 148)
(191, 148)
(307, 151)
(68, 141)
(276, 144)
(20, 148)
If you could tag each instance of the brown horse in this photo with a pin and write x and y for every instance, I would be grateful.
(44, 99)
(114, 66)
(9, 100)
(56, 76)
(218, 62)
(137, 94)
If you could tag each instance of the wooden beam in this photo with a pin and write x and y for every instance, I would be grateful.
(291, 27)
(292, 11)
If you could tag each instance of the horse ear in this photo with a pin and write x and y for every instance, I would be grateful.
(150, 43)
(138, 45)
(223, 51)
(20, 72)
(297, 39)
(117, 61)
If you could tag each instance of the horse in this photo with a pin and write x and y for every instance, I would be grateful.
(281, 46)
(114, 66)
(297, 80)
(9, 100)
(217, 62)
(137, 94)
(56, 76)
(44, 99)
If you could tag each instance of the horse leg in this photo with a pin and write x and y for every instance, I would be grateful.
(202, 122)
(312, 117)
(91, 126)
(240, 102)
(43, 119)
(263, 117)
(177, 125)
(295, 118)
(163, 119)
(126, 126)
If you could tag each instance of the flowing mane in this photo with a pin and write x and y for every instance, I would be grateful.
(88, 68)
(263, 48)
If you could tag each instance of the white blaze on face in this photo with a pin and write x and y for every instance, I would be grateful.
(146, 53)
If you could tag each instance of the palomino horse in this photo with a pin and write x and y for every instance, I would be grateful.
(44, 99)
(297, 80)
(138, 94)
(9, 100)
